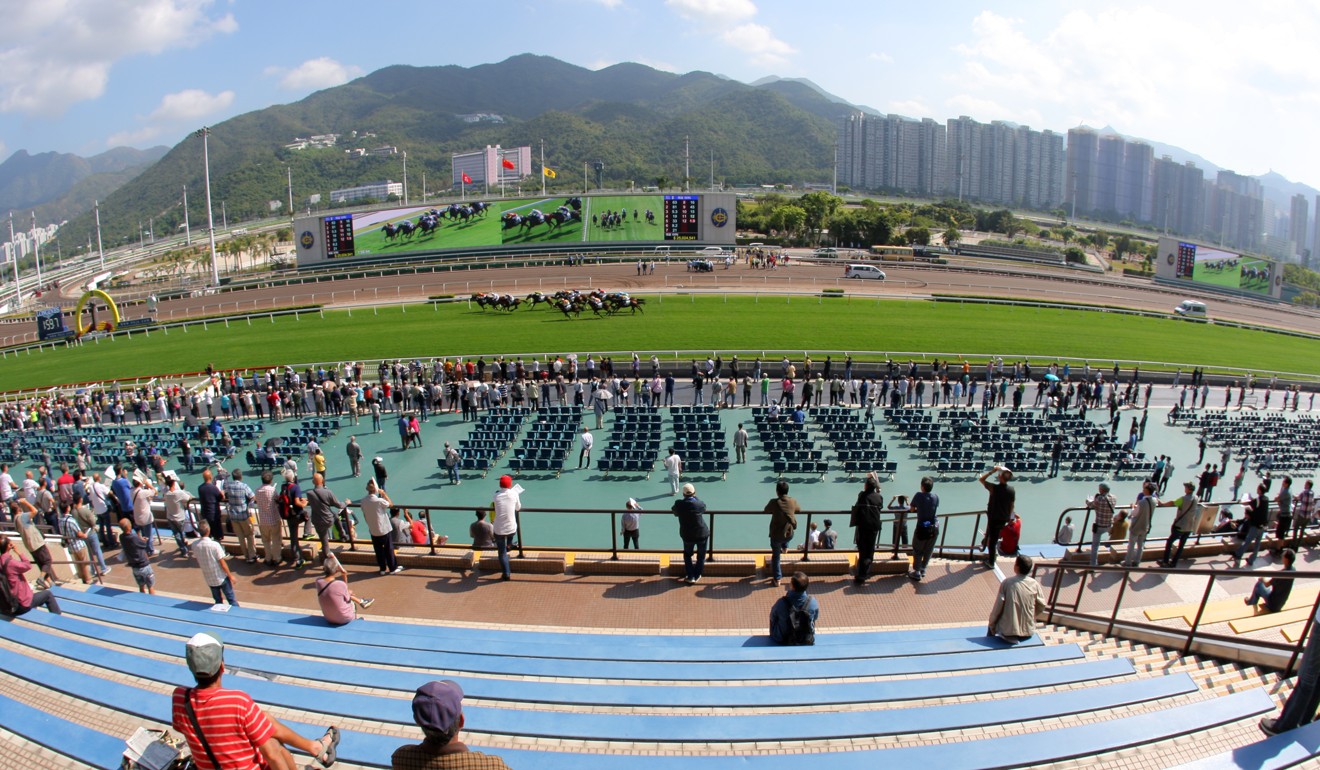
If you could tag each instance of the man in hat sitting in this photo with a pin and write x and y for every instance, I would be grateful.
(224, 728)
(438, 710)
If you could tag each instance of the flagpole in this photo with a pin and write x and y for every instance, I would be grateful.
(542, 168)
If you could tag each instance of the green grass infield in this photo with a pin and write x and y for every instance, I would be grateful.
(670, 323)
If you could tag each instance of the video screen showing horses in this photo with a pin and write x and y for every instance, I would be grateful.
(624, 218)
(1255, 275)
(556, 219)
(425, 228)
(1215, 267)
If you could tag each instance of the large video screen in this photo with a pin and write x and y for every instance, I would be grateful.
(484, 223)
(1216, 267)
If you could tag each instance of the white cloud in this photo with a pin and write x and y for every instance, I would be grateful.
(132, 138)
(190, 104)
(881, 57)
(714, 11)
(1204, 76)
(315, 74)
(56, 53)
(760, 42)
(611, 3)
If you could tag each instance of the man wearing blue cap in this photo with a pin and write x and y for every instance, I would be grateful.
(438, 710)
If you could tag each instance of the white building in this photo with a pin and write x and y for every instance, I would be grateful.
(488, 168)
(374, 190)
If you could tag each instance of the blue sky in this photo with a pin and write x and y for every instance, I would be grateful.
(1242, 91)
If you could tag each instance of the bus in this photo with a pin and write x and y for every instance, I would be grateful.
(893, 253)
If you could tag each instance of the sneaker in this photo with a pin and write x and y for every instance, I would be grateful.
(384, 572)
(398, 569)
(105, 572)
(696, 580)
(367, 603)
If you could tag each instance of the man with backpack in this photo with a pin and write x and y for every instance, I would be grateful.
(292, 505)
(793, 617)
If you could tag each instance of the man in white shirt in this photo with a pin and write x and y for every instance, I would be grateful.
(508, 501)
(7, 490)
(587, 442)
(674, 469)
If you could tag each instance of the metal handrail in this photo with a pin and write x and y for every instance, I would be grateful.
(1190, 635)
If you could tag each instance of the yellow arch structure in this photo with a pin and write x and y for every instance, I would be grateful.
(103, 325)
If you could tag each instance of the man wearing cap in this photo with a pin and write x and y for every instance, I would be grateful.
(508, 501)
(438, 710)
(694, 532)
(1184, 523)
(1103, 504)
(226, 729)
(631, 522)
(998, 509)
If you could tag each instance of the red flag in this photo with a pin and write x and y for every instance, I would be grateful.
(508, 164)
(466, 179)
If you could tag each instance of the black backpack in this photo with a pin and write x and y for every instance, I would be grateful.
(803, 630)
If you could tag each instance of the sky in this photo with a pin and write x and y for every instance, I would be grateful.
(1238, 85)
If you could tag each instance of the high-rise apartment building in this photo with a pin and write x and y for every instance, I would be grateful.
(891, 152)
(1177, 197)
(1297, 223)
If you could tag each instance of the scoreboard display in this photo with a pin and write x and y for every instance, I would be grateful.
(339, 236)
(50, 324)
(1186, 266)
(682, 217)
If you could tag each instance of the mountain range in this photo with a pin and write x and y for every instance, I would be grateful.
(634, 119)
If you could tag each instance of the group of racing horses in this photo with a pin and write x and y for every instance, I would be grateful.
(570, 303)
(429, 222)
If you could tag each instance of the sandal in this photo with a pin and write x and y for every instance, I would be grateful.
(329, 747)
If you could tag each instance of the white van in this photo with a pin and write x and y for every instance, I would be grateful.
(864, 271)
(714, 252)
(826, 253)
(1190, 308)
(662, 251)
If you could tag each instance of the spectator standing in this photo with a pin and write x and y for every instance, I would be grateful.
(507, 502)
(35, 542)
(324, 507)
(176, 500)
(1184, 523)
(740, 440)
(1103, 505)
(376, 512)
(692, 528)
(140, 504)
(208, 504)
(238, 500)
(925, 504)
(292, 505)
(1143, 513)
(354, 452)
(673, 470)
(1258, 517)
(134, 548)
(452, 462)
(588, 441)
(783, 512)
(999, 508)
(866, 525)
(793, 616)
(213, 560)
(1301, 705)
(631, 523)
(269, 523)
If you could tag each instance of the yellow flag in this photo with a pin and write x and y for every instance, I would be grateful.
(549, 172)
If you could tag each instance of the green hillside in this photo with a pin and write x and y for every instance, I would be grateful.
(631, 118)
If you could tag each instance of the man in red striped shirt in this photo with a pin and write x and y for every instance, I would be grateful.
(234, 732)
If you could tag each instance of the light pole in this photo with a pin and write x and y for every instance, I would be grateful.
(187, 227)
(13, 252)
(405, 177)
(99, 248)
(36, 249)
(205, 134)
(289, 170)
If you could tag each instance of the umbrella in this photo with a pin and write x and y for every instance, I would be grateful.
(1051, 378)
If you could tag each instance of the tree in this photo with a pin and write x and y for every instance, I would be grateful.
(1066, 234)
(789, 219)
(918, 236)
(951, 237)
(662, 182)
(820, 208)
(1075, 255)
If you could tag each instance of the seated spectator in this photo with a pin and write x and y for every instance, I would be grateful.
(1010, 535)
(482, 533)
(417, 531)
(793, 617)
(1119, 529)
(829, 538)
(813, 538)
(13, 570)
(238, 734)
(1225, 525)
(1274, 591)
(1065, 534)
(438, 710)
(1013, 617)
(332, 593)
